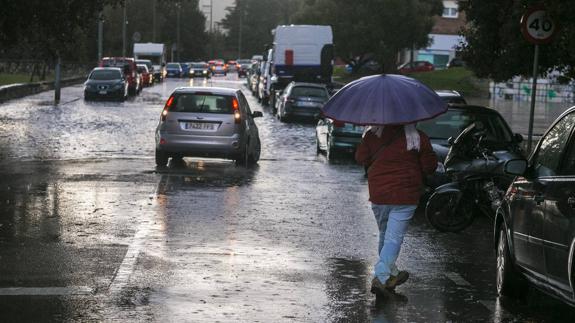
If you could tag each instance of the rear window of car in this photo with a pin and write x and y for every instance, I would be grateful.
(105, 75)
(203, 103)
(451, 123)
(309, 91)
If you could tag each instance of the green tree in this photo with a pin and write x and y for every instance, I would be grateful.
(373, 28)
(495, 47)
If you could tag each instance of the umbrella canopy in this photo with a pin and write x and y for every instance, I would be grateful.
(384, 100)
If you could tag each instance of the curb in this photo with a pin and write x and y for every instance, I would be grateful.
(15, 91)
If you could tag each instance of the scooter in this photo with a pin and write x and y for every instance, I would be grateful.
(478, 181)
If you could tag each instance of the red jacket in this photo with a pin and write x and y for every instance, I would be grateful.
(395, 177)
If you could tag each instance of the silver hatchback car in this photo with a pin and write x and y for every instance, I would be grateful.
(208, 122)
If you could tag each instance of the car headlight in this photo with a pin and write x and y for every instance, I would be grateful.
(205, 72)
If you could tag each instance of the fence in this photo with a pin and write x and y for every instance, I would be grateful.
(519, 89)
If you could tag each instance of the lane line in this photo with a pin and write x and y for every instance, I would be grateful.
(46, 291)
(457, 279)
(122, 276)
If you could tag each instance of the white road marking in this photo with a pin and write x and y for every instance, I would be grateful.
(457, 279)
(45, 291)
(126, 268)
(494, 306)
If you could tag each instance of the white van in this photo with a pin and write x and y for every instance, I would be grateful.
(303, 53)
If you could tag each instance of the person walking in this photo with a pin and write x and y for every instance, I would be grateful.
(397, 157)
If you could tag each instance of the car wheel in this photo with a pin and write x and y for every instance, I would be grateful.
(317, 147)
(243, 159)
(255, 157)
(330, 152)
(161, 158)
(508, 281)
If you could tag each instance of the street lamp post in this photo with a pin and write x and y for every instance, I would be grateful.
(100, 36)
(241, 13)
(179, 45)
(125, 22)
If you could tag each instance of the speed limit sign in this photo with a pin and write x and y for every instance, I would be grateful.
(537, 26)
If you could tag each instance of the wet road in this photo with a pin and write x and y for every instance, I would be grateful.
(90, 230)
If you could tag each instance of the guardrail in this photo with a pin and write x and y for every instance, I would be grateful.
(14, 91)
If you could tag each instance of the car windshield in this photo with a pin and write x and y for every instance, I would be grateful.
(105, 75)
(203, 103)
(308, 91)
(173, 65)
(451, 123)
(198, 65)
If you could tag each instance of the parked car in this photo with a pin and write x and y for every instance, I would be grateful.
(106, 83)
(208, 122)
(303, 100)
(415, 67)
(335, 137)
(173, 70)
(200, 69)
(451, 97)
(458, 117)
(243, 66)
(147, 77)
(129, 68)
(219, 68)
(456, 62)
(534, 231)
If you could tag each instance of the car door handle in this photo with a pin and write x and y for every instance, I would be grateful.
(571, 201)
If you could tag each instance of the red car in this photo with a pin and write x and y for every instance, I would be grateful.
(128, 66)
(415, 67)
(147, 77)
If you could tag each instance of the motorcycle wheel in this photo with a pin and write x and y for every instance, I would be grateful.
(445, 213)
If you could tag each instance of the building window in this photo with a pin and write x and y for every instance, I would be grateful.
(450, 12)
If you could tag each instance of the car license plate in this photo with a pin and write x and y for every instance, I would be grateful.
(199, 126)
(103, 92)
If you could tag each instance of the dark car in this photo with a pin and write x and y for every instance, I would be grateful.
(458, 117)
(185, 69)
(334, 137)
(173, 70)
(243, 66)
(301, 100)
(200, 69)
(106, 83)
(451, 97)
(534, 230)
(415, 67)
(129, 68)
(456, 62)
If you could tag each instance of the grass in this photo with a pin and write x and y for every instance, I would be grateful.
(6, 78)
(459, 79)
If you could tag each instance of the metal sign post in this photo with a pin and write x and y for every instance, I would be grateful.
(537, 28)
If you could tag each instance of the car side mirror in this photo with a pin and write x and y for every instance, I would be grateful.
(518, 137)
(257, 114)
(516, 167)
(450, 141)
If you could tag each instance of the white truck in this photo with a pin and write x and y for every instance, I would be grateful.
(154, 52)
(301, 53)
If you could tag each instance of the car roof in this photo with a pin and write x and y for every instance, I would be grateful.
(107, 69)
(472, 108)
(213, 90)
(322, 86)
(448, 93)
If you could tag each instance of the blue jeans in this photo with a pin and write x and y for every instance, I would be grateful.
(392, 221)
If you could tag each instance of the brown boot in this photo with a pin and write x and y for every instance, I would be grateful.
(394, 281)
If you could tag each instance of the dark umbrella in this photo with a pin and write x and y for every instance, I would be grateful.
(384, 100)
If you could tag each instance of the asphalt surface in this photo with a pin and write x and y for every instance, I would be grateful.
(90, 230)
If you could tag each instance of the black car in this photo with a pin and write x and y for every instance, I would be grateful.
(301, 100)
(535, 226)
(200, 69)
(457, 118)
(106, 83)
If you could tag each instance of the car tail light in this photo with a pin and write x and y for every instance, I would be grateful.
(167, 108)
(289, 57)
(237, 114)
(338, 124)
